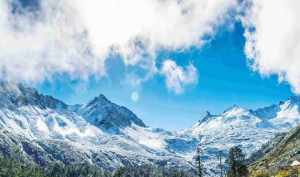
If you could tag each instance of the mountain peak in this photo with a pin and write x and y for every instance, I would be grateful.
(99, 99)
(294, 99)
(7, 86)
(235, 110)
(233, 107)
(208, 116)
(105, 114)
(17, 94)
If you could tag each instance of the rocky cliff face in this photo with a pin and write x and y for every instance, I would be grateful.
(109, 116)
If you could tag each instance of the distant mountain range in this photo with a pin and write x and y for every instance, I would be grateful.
(41, 129)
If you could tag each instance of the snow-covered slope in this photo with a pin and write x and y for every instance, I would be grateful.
(108, 116)
(237, 126)
(42, 129)
(288, 114)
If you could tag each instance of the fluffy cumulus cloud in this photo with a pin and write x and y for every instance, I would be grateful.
(37, 44)
(75, 37)
(273, 39)
(178, 77)
(135, 25)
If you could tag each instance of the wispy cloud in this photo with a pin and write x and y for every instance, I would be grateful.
(273, 39)
(178, 77)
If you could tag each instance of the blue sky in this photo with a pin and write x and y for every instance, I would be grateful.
(168, 61)
(225, 78)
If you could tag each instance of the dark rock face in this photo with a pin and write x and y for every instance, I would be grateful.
(16, 95)
(37, 154)
(107, 115)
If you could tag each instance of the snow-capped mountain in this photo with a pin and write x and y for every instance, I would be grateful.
(42, 129)
(237, 126)
(109, 116)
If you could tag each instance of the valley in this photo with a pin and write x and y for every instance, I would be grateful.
(42, 130)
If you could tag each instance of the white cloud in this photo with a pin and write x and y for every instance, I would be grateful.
(169, 24)
(36, 46)
(178, 77)
(274, 46)
(75, 36)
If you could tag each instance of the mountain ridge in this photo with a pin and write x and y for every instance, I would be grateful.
(246, 128)
(47, 133)
(46, 130)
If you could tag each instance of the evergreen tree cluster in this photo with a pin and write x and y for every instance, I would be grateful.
(236, 163)
(236, 167)
(14, 168)
(150, 171)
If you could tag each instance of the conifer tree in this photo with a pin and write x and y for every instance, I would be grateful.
(199, 162)
(220, 163)
(236, 163)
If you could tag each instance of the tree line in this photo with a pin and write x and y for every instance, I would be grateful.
(235, 164)
(14, 168)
